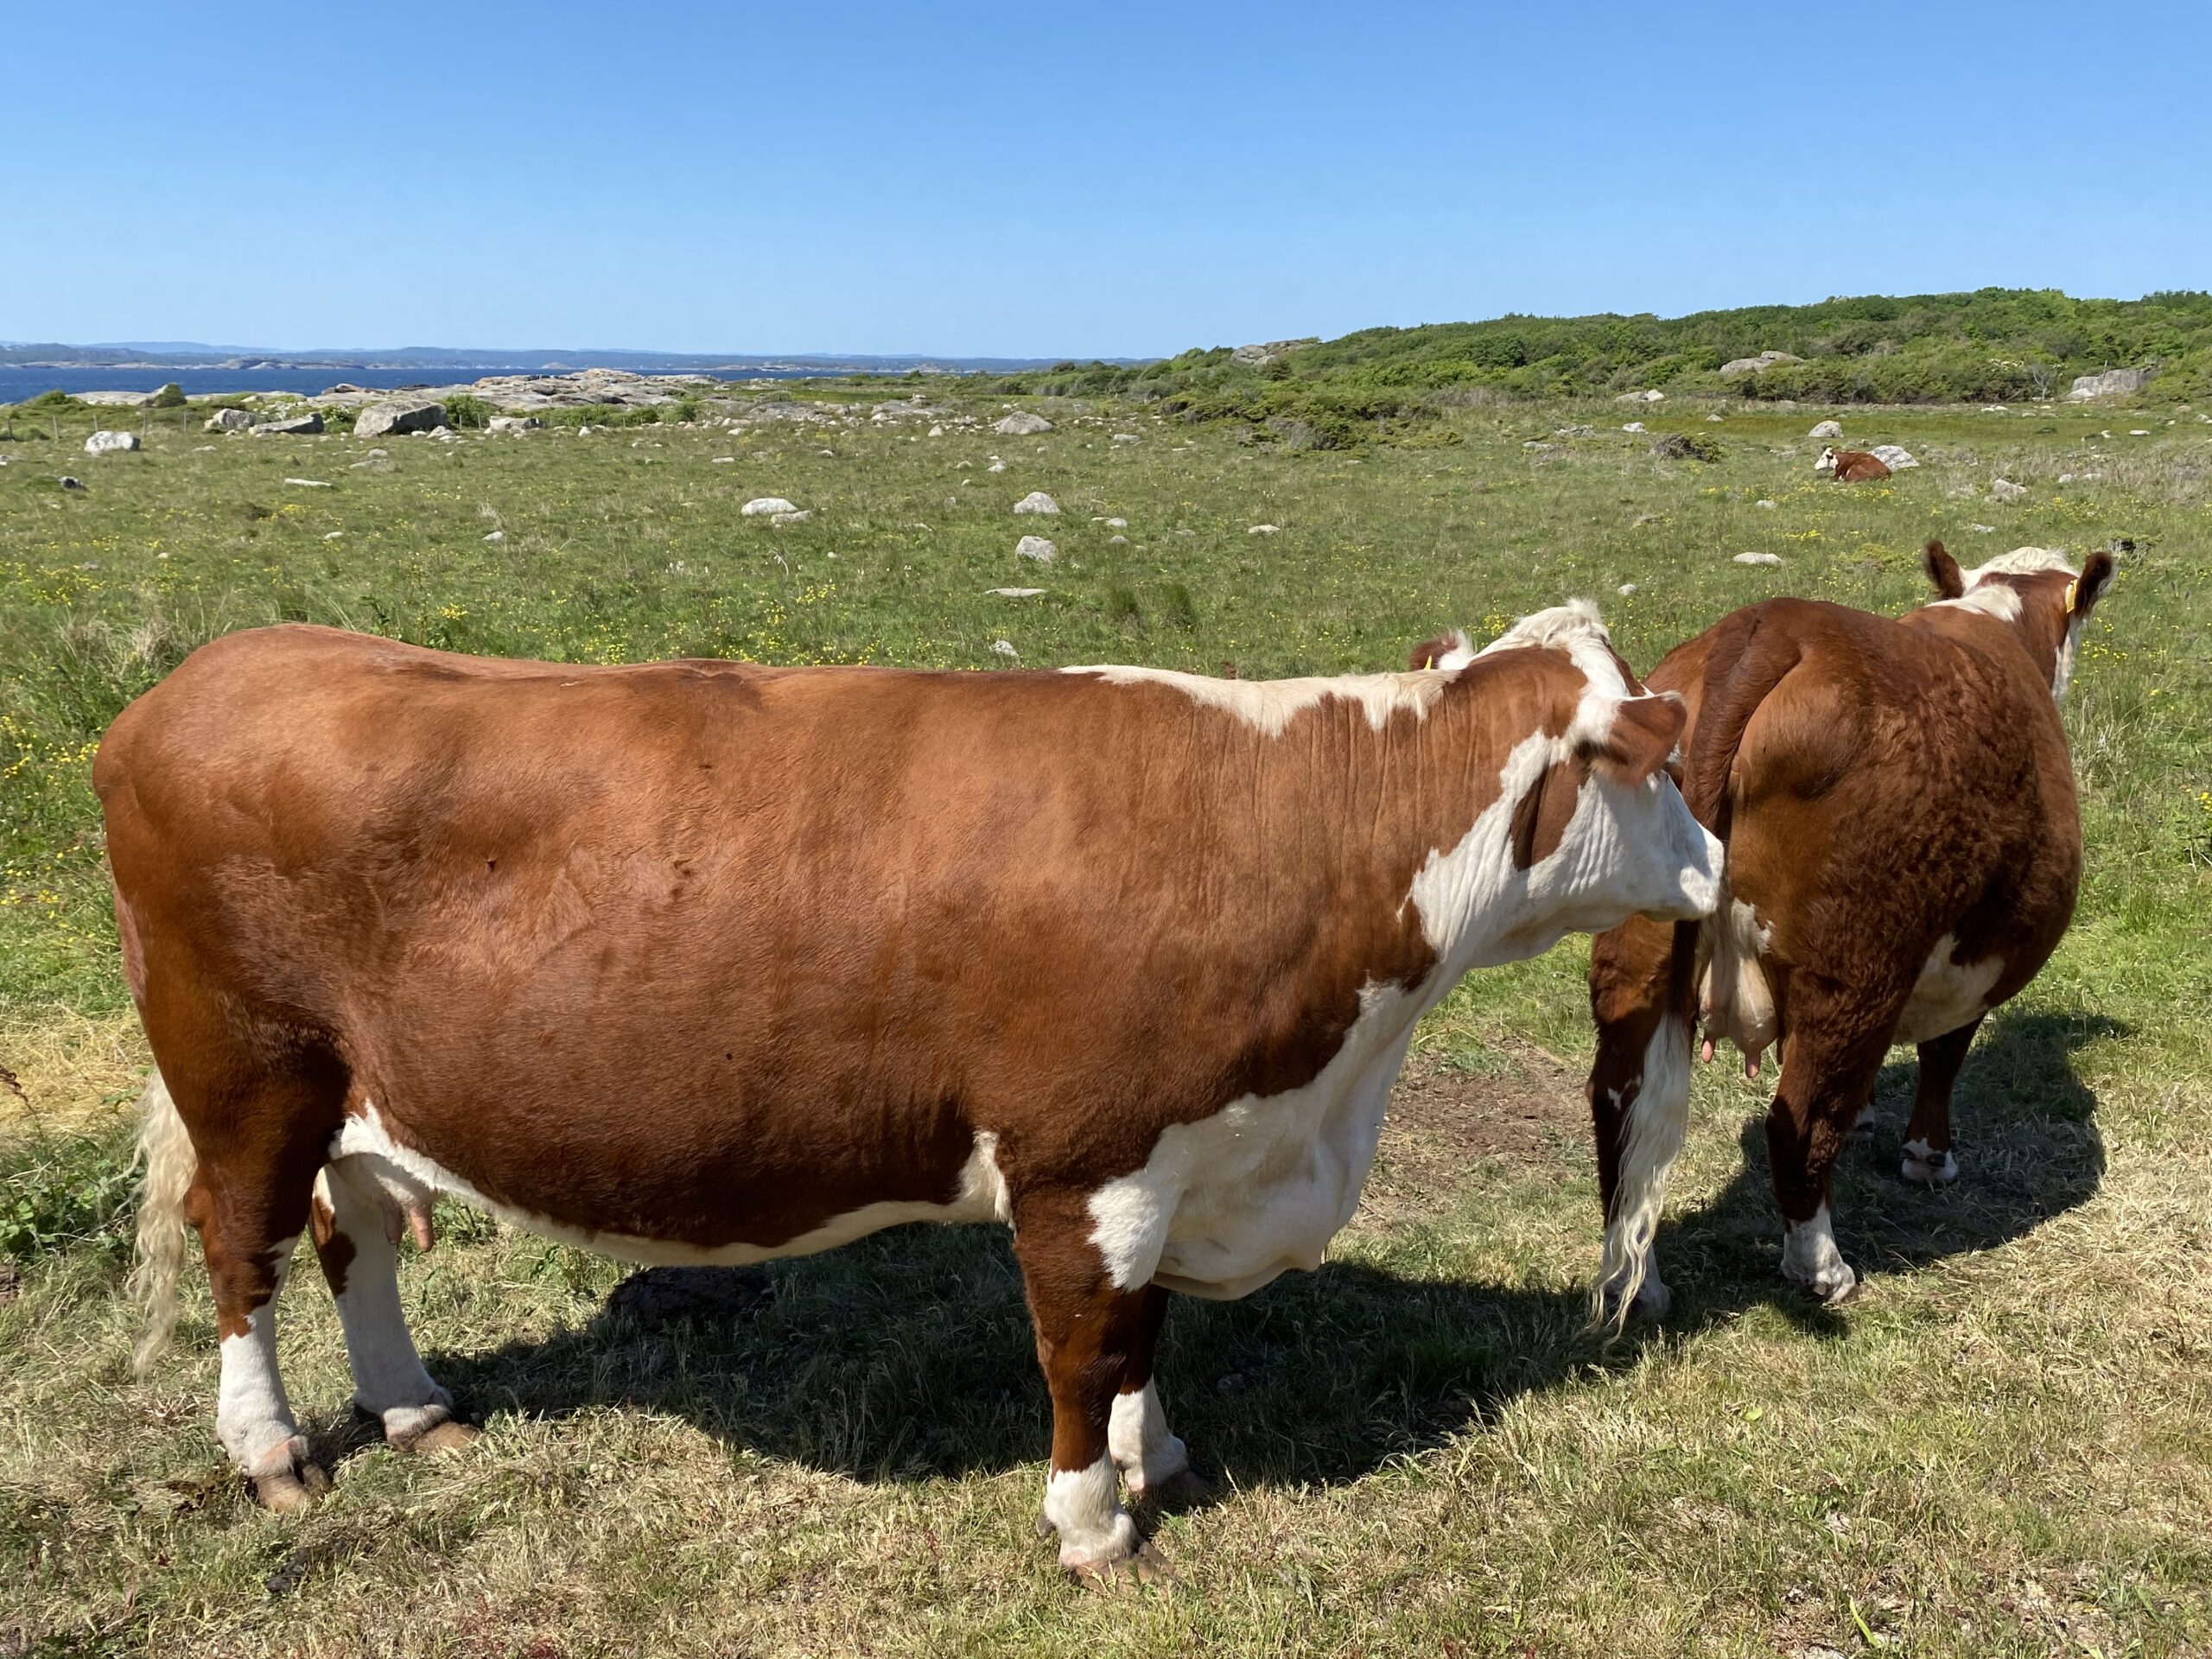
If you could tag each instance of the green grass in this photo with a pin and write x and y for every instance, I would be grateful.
(2005, 1448)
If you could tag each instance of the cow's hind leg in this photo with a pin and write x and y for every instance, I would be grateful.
(257, 1150)
(1154, 1463)
(1927, 1157)
(353, 1238)
(1089, 1332)
(1837, 1039)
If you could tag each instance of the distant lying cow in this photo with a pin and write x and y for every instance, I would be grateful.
(1851, 466)
(1902, 850)
(702, 962)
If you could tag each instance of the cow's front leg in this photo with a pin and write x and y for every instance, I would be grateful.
(1154, 1463)
(1088, 1335)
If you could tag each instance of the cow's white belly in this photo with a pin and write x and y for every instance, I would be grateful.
(1227, 1203)
(1947, 995)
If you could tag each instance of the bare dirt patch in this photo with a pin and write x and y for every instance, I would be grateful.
(1446, 1119)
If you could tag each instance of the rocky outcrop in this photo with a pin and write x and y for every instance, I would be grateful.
(1022, 424)
(1754, 364)
(295, 426)
(2113, 383)
(109, 444)
(382, 420)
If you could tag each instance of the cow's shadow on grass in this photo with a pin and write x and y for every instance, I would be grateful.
(909, 1355)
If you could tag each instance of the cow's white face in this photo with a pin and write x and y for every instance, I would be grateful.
(1588, 829)
(1643, 851)
(1826, 462)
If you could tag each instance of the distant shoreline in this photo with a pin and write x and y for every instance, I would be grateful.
(21, 383)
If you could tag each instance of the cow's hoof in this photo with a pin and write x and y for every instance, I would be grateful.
(1834, 1284)
(289, 1491)
(1924, 1166)
(1863, 1125)
(449, 1436)
(1146, 1564)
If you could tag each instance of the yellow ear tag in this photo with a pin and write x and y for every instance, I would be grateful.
(1431, 662)
(2072, 588)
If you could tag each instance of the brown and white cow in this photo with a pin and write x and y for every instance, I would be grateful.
(704, 962)
(1851, 466)
(1903, 846)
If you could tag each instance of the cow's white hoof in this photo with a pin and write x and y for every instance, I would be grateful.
(1925, 1166)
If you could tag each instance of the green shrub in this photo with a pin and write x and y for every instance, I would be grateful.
(464, 412)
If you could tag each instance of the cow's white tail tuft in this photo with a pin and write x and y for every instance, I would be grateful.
(165, 1148)
(1651, 1136)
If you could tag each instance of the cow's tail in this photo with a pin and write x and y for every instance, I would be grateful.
(1651, 1131)
(165, 1149)
(1750, 658)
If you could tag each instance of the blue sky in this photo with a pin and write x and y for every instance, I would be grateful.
(1050, 179)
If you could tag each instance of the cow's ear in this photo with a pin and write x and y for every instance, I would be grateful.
(1451, 650)
(2090, 587)
(1943, 570)
(1643, 735)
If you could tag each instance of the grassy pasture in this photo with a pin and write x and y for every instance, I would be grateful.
(2005, 1446)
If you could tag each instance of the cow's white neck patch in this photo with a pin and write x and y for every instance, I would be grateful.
(2020, 562)
(407, 1172)
(1270, 705)
(1999, 600)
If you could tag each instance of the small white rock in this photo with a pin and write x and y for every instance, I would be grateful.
(1826, 429)
(1118, 541)
(766, 503)
(995, 467)
(798, 516)
(1626, 589)
(1004, 648)
(1759, 558)
(107, 443)
(1983, 529)
(1036, 501)
(309, 483)
(1037, 547)
(2005, 490)
(1125, 438)
(497, 536)
(1117, 523)
(1633, 426)
(724, 461)
(1262, 529)
(1015, 593)
(1767, 505)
